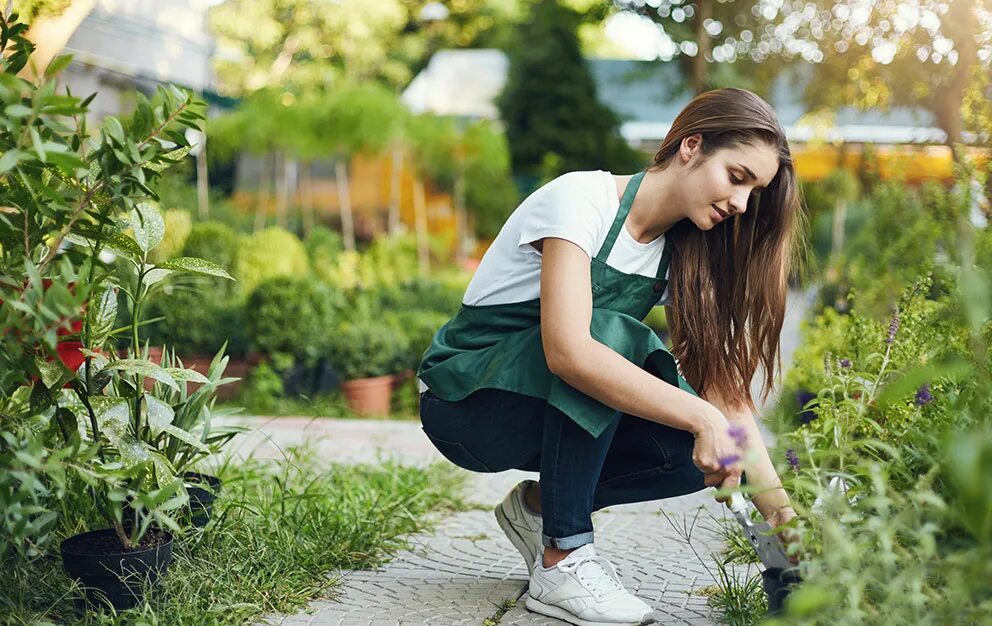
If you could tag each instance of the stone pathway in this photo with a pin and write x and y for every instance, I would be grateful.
(466, 571)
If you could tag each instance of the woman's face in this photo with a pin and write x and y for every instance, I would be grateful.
(723, 183)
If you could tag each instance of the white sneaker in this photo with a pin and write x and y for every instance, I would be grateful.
(522, 527)
(584, 589)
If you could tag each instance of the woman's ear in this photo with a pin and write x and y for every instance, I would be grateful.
(689, 147)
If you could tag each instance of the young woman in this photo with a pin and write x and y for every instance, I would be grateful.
(548, 367)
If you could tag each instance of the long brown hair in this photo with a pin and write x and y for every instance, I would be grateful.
(729, 284)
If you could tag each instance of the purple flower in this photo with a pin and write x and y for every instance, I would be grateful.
(923, 395)
(845, 363)
(893, 328)
(727, 461)
(803, 397)
(792, 458)
(739, 434)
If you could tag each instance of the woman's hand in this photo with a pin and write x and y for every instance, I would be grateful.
(715, 452)
(787, 536)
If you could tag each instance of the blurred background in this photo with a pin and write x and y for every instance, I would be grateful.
(359, 157)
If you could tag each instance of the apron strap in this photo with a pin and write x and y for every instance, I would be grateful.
(625, 203)
(666, 255)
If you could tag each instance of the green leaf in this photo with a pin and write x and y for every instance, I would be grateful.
(115, 241)
(112, 127)
(9, 160)
(156, 274)
(160, 416)
(141, 367)
(187, 375)
(17, 110)
(102, 313)
(58, 64)
(51, 371)
(148, 226)
(194, 265)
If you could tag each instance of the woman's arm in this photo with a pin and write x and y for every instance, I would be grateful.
(770, 497)
(600, 372)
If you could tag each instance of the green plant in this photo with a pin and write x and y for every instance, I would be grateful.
(292, 315)
(283, 529)
(270, 253)
(214, 241)
(193, 413)
(323, 248)
(366, 348)
(419, 328)
(178, 225)
(903, 419)
(63, 185)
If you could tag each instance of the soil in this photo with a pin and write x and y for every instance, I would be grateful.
(110, 544)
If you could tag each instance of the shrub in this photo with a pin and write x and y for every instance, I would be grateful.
(324, 246)
(178, 225)
(418, 327)
(92, 412)
(198, 317)
(213, 241)
(421, 293)
(267, 254)
(367, 348)
(292, 315)
(203, 312)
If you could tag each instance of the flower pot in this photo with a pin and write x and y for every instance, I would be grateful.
(369, 396)
(778, 583)
(201, 499)
(109, 573)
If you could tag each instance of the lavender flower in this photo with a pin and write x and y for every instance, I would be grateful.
(808, 415)
(923, 395)
(727, 461)
(792, 458)
(739, 434)
(845, 363)
(893, 328)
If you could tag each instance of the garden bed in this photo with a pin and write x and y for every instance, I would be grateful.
(278, 531)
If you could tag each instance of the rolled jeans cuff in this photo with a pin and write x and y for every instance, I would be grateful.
(567, 543)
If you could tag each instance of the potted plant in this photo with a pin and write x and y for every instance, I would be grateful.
(75, 196)
(367, 354)
(194, 412)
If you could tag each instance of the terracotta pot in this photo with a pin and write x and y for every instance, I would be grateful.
(369, 396)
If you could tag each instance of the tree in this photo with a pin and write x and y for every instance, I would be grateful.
(718, 42)
(549, 105)
(301, 44)
(919, 53)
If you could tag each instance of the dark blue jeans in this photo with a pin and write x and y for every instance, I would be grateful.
(633, 460)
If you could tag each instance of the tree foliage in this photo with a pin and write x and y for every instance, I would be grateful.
(553, 118)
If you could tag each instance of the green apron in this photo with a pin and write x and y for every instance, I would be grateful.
(499, 346)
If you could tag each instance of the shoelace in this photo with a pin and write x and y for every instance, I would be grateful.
(599, 576)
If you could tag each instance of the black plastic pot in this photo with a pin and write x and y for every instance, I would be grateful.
(112, 575)
(778, 583)
(201, 499)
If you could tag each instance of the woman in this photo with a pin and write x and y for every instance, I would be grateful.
(548, 367)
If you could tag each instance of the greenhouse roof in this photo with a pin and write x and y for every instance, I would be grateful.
(648, 95)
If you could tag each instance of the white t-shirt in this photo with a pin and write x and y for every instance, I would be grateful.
(579, 207)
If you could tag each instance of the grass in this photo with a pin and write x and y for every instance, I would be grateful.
(280, 532)
(501, 610)
(737, 547)
(742, 601)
